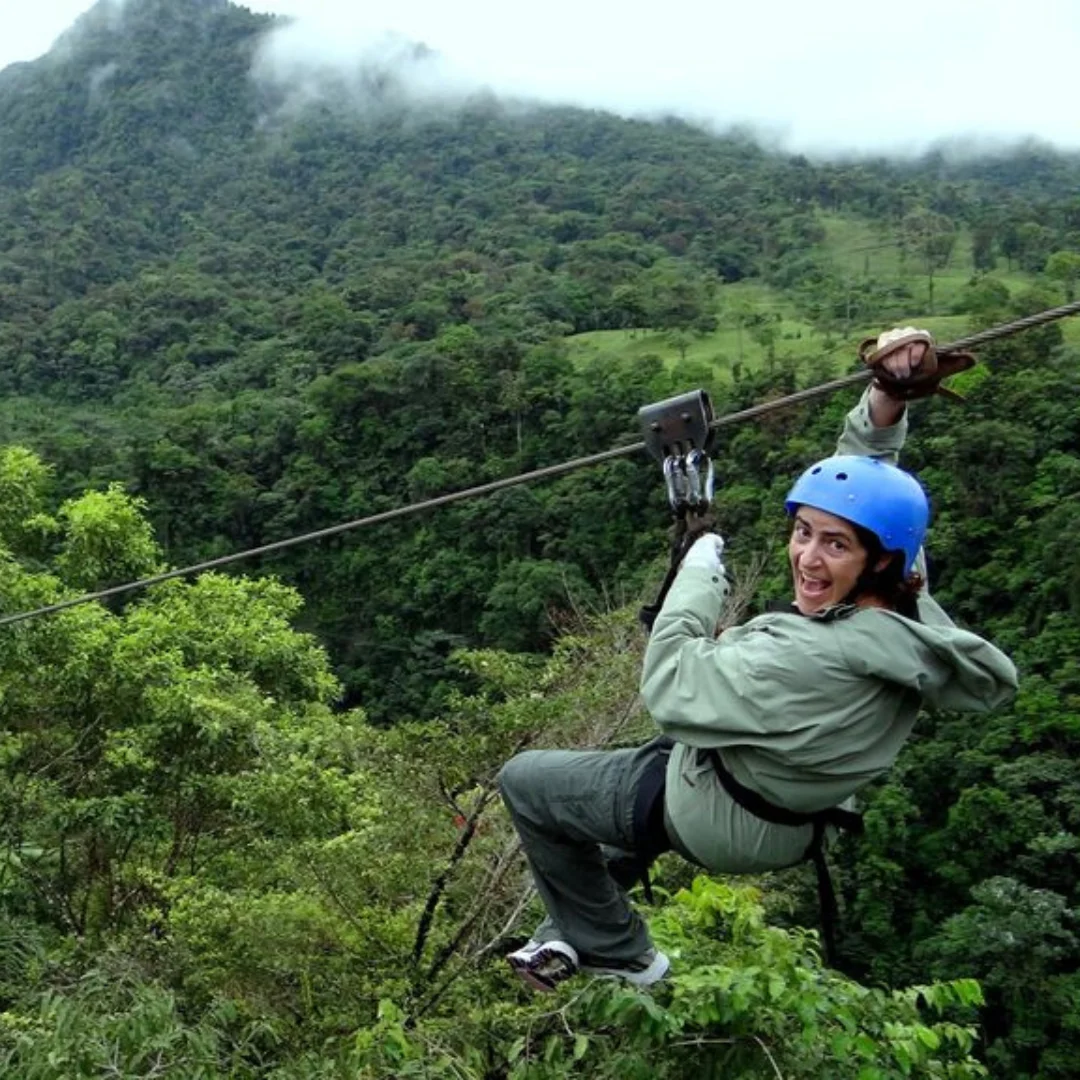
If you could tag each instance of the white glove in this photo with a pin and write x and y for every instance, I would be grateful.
(890, 336)
(906, 362)
(706, 552)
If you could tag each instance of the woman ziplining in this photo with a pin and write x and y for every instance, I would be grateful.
(812, 393)
(770, 728)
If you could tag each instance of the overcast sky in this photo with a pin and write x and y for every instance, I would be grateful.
(825, 75)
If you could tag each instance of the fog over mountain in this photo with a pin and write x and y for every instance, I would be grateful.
(835, 77)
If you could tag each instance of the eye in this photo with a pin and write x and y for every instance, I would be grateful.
(839, 546)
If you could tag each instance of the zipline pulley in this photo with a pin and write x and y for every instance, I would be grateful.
(678, 433)
(683, 429)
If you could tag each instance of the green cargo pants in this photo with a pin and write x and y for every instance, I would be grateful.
(574, 810)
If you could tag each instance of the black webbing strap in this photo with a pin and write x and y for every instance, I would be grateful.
(686, 530)
(650, 836)
(760, 807)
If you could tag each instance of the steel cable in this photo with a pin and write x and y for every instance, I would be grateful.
(561, 469)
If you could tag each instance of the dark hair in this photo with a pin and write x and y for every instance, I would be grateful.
(897, 590)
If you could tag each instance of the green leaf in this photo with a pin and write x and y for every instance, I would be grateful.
(927, 1036)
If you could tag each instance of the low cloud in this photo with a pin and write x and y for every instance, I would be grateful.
(840, 76)
(99, 77)
(306, 66)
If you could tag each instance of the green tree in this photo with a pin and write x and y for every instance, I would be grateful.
(676, 297)
(985, 298)
(106, 540)
(1034, 242)
(982, 246)
(1064, 266)
(931, 237)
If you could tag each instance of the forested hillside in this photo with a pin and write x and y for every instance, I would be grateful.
(248, 824)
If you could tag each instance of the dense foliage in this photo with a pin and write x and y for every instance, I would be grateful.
(247, 833)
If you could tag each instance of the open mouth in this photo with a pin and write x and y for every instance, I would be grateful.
(812, 588)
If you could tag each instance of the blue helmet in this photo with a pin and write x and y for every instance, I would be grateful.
(871, 493)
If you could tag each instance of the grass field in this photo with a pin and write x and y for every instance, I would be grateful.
(721, 350)
(859, 249)
(856, 248)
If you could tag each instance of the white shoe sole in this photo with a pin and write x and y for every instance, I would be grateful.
(646, 977)
(525, 961)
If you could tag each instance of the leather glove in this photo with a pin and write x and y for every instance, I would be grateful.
(887, 356)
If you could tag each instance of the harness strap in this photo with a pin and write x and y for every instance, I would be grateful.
(686, 530)
(759, 806)
(650, 836)
(679, 547)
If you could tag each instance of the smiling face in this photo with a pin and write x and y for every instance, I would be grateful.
(827, 558)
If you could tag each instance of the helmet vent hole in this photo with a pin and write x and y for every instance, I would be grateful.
(815, 471)
(841, 476)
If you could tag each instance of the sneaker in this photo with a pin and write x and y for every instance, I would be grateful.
(544, 964)
(644, 970)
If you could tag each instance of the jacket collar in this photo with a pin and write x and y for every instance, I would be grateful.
(829, 614)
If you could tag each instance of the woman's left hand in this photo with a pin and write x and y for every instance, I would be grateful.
(906, 361)
(902, 363)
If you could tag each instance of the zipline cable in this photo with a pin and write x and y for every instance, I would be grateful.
(751, 413)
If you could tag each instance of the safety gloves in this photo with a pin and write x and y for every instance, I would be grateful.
(890, 357)
(706, 553)
(694, 544)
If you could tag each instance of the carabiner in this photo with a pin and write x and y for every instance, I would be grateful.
(675, 478)
(700, 479)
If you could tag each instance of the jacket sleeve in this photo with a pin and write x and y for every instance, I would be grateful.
(744, 687)
(862, 438)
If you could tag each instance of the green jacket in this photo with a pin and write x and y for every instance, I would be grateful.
(805, 710)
